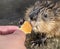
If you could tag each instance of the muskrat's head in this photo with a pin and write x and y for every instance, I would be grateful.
(43, 15)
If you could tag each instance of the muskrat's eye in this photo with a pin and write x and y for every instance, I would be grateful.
(45, 17)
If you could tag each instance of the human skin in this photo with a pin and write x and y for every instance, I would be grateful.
(11, 38)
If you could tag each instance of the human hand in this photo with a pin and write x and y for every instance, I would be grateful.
(11, 38)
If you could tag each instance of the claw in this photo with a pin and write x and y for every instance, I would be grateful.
(39, 40)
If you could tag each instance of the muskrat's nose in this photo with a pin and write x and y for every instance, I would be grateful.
(33, 17)
(45, 15)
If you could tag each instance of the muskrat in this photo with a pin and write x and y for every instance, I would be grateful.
(44, 17)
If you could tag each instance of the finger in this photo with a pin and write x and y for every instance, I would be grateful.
(8, 29)
(13, 31)
(16, 35)
(19, 34)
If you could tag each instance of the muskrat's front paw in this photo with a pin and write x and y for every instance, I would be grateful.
(39, 40)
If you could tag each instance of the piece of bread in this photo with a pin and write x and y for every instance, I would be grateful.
(26, 27)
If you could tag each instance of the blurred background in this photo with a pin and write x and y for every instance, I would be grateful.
(12, 10)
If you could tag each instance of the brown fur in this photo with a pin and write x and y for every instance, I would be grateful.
(51, 25)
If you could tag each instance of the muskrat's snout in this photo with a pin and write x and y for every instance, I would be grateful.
(45, 15)
(33, 17)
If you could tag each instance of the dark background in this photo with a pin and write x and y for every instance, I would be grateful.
(12, 10)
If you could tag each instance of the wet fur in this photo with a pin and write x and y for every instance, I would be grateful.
(49, 26)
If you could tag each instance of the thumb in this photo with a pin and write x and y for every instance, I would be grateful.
(19, 34)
